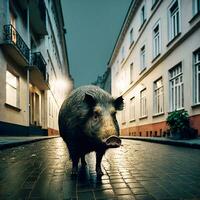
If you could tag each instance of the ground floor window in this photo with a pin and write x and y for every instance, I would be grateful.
(132, 109)
(12, 89)
(123, 114)
(176, 87)
(196, 77)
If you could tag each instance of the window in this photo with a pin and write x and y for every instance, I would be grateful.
(196, 6)
(122, 54)
(156, 40)
(176, 88)
(158, 96)
(196, 90)
(124, 114)
(13, 23)
(131, 73)
(143, 103)
(174, 19)
(132, 109)
(49, 106)
(142, 58)
(131, 36)
(12, 19)
(143, 15)
(12, 94)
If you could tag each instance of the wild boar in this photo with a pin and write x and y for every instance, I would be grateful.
(87, 122)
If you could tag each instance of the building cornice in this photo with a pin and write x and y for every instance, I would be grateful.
(126, 23)
(62, 31)
(141, 30)
(132, 46)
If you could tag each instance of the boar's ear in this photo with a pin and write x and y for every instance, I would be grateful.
(89, 100)
(119, 103)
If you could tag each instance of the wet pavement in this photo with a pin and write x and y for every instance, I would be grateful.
(137, 170)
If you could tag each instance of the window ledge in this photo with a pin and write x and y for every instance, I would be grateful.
(154, 5)
(172, 40)
(158, 114)
(156, 57)
(13, 107)
(144, 117)
(132, 120)
(176, 110)
(142, 70)
(142, 24)
(194, 17)
(131, 44)
(122, 60)
(196, 105)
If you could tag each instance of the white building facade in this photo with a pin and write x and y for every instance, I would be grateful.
(155, 65)
(34, 68)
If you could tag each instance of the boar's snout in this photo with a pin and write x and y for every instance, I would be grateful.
(110, 132)
(113, 141)
(108, 128)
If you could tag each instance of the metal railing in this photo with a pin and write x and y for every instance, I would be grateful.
(12, 36)
(38, 60)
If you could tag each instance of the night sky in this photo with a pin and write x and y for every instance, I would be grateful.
(92, 29)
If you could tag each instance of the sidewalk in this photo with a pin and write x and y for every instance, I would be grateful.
(8, 142)
(192, 143)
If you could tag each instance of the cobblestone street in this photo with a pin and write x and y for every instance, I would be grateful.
(138, 170)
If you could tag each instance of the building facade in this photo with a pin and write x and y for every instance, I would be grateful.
(155, 65)
(34, 68)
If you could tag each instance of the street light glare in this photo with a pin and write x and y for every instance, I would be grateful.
(61, 84)
(121, 85)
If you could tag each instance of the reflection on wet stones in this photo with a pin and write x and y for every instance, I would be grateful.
(138, 170)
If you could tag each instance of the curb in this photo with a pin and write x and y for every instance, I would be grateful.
(166, 142)
(15, 144)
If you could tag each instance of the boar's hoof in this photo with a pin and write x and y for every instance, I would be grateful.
(74, 171)
(99, 171)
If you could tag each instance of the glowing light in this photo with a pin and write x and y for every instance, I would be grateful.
(121, 85)
(61, 84)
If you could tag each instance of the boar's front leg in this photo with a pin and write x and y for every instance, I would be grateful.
(83, 162)
(75, 161)
(99, 155)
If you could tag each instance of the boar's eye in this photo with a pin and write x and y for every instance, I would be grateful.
(96, 116)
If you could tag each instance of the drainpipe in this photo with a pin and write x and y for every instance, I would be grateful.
(28, 75)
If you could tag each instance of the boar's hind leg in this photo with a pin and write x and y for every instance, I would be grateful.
(83, 162)
(99, 156)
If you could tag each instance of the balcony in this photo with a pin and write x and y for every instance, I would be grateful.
(15, 46)
(38, 74)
